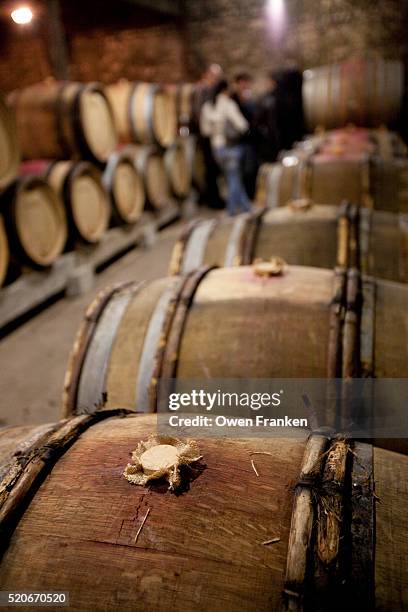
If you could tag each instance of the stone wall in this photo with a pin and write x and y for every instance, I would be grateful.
(109, 40)
(259, 35)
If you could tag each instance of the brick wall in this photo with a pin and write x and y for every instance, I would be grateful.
(106, 41)
(154, 53)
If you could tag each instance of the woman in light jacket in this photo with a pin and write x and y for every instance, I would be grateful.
(222, 122)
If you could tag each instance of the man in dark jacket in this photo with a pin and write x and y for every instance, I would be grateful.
(266, 124)
(243, 96)
(203, 92)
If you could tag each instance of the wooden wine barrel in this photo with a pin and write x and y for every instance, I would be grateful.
(150, 165)
(303, 234)
(366, 93)
(380, 142)
(233, 539)
(4, 252)
(153, 115)
(57, 120)
(9, 151)
(125, 187)
(179, 166)
(331, 179)
(181, 326)
(145, 113)
(118, 95)
(35, 221)
(80, 186)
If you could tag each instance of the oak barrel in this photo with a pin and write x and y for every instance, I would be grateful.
(195, 327)
(380, 142)
(233, 541)
(57, 120)
(303, 234)
(35, 221)
(4, 252)
(124, 184)
(150, 165)
(179, 167)
(118, 95)
(9, 150)
(144, 112)
(327, 178)
(80, 186)
(363, 92)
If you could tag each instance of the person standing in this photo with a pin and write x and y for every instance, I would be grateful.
(224, 124)
(203, 92)
(267, 134)
(243, 96)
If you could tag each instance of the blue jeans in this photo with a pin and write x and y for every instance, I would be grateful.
(229, 158)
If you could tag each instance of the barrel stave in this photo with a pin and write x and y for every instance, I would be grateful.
(82, 520)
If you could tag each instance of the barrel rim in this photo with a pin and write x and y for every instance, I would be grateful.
(79, 169)
(14, 191)
(126, 156)
(79, 126)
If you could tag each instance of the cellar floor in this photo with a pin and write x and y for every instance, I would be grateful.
(33, 358)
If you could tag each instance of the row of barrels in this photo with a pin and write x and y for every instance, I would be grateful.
(54, 120)
(87, 121)
(376, 242)
(296, 324)
(55, 204)
(368, 168)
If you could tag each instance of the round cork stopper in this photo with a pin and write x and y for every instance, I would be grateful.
(159, 458)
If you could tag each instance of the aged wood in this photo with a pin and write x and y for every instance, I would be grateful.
(80, 186)
(179, 168)
(150, 165)
(300, 536)
(350, 356)
(263, 314)
(124, 185)
(82, 342)
(332, 178)
(144, 112)
(153, 116)
(321, 236)
(84, 516)
(35, 221)
(379, 142)
(365, 92)
(10, 155)
(362, 527)
(57, 120)
(337, 308)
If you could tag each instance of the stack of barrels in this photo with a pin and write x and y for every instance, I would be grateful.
(155, 122)
(94, 156)
(313, 284)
